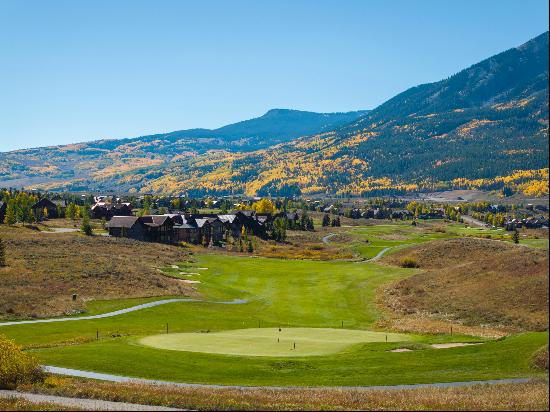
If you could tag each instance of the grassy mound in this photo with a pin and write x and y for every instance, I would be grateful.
(45, 269)
(270, 341)
(475, 281)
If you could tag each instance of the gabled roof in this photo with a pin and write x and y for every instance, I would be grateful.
(227, 218)
(155, 220)
(185, 226)
(44, 202)
(201, 222)
(126, 222)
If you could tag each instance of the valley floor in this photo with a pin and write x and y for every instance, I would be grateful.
(270, 295)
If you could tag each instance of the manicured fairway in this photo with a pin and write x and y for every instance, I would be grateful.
(370, 240)
(277, 293)
(270, 341)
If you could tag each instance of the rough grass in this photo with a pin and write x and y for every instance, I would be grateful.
(540, 358)
(18, 404)
(475, 282)
(45, 269)
(526, 396)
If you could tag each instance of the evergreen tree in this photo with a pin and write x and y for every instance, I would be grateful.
(10, 218)
(278, 231)
(515, 236)
(310, 226)
(326, 220)
(86, 227)
(250, 247)
(303, 220)
(70, 211)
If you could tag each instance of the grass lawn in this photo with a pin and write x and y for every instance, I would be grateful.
(278, 293)
(270, 341)
(367, 364)
(399, 234)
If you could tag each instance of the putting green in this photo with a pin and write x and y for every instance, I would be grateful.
(270, 341)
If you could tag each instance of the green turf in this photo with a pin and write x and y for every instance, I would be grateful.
(279, 293)
(370, 240)
(368, 364)
(270, 341)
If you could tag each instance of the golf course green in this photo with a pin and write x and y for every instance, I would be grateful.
(328, 308)
(270, 341)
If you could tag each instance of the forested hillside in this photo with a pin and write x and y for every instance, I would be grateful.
(484, 127)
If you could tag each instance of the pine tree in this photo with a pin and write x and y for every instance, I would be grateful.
(10, 218)
(70, 211)
(515, 236)
(85, 227)
(250, 247)
(310, 226)
(326, 220)
(2, 253)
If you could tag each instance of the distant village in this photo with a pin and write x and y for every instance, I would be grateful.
(213, 222)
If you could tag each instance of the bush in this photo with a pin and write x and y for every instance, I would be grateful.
(408, 262)
(16, 366)
(540, 358)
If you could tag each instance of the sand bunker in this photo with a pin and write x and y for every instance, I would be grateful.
(452, 345)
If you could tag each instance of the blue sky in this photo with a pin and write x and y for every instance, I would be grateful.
(82, 70)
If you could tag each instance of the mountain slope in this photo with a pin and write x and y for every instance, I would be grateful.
(79, 166)
(484, 127)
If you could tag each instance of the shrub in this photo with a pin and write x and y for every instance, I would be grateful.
(408, 262)
(16, 366)
(540, 358)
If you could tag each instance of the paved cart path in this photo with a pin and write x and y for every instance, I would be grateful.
(326, 239)
(121, 311)
(80, 403)
(127, 379)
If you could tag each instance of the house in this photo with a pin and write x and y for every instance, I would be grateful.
(158, 228)
(186, 230)
(205, 230)
(102, 210)
(368, 214)
(233, 224)
(292, 218)
(3, 207)
(47, 208)
(127, 226)
(217, 230)
(401, 214)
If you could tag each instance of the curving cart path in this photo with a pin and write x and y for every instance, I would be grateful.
(127, 379)
(121, 311)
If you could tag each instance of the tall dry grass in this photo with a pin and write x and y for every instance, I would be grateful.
(525, 396)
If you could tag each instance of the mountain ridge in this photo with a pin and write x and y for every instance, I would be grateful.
(484, 127)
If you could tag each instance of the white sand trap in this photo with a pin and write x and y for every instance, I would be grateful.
(398, 350)
(175, 267)
(190, 281)
(189, 273)
(202, 268)
(452, 345)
